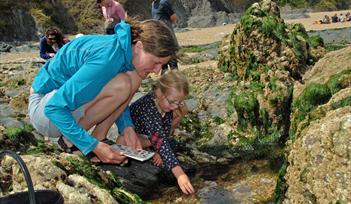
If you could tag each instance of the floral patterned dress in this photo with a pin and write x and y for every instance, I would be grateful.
(149, 121)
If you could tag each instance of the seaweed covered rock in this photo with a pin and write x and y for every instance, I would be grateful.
(324, 89)
(319, 146)
(265, 56)
(75, 178)
(319, 170)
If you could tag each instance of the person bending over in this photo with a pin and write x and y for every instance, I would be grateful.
(90, 82)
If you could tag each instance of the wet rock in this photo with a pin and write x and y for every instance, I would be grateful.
(5, 47)
(211, 193)
(141, 178)
(9, 119)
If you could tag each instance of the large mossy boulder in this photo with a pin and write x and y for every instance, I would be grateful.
(319, 170)
(327, 80)
(265, 56)
(76, 179)
(319, 148)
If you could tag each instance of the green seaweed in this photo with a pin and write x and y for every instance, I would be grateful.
(342, 103)
(337, 81)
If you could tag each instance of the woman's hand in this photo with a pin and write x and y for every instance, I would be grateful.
(131, 138)
(156, 160)
(107, 155)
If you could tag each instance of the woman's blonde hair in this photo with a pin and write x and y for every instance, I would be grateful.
(156, 37)
(173, 79)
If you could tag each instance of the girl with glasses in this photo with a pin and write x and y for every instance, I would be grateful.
(156, 115)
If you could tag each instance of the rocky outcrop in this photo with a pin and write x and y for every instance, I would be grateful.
(319, 150)
(75, 179)
(205, 13)
(16, 23)
(26, 20)
(320, 168)
(265, 57)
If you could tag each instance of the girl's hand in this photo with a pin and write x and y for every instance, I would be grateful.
(156, 160)
(185, 185)
(183, 180)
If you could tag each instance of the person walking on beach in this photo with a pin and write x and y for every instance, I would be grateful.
(113, 13)
(163, 10)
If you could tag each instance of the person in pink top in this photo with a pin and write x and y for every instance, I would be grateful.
(113, 13)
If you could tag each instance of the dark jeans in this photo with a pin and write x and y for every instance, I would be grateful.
(172, 64)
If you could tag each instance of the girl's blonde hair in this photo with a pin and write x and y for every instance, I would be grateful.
(156, 37)
(173, 79)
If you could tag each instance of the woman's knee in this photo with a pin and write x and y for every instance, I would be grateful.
(120, 85)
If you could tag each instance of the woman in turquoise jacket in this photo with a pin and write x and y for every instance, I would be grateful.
(90, 82)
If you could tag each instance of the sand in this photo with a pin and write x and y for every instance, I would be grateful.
(201, 36)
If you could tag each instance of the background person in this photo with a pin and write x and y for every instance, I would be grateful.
(325, 20)
(90, 82)
(163, 10)
(341, 18)
(335, 18)
(51, 42)
(113, 13)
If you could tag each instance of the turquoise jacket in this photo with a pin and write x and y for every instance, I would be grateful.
(79, 71)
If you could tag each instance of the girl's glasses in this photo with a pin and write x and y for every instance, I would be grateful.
(179, 104)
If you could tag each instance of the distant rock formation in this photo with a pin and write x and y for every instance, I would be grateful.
(194, 13)
(23, 21)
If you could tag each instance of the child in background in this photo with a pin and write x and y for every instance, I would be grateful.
(156, 115)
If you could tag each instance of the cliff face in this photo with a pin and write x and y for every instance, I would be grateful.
(205, 13)
(15, 22)
(23, 20)
(194, 13)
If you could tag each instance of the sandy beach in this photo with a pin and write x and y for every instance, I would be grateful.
(201, 36)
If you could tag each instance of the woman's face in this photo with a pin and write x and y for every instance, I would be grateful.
(146, 63)
(51, 39)
(171, 100)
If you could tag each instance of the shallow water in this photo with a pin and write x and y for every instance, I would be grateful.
(241, 182)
